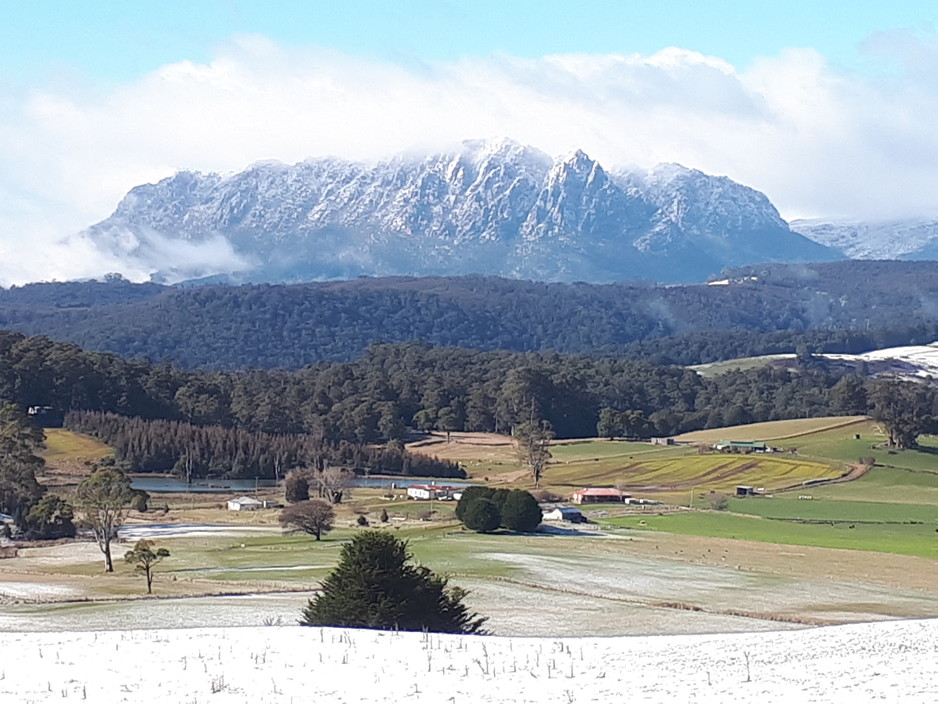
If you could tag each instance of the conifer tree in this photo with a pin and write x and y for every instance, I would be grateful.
(375, 585)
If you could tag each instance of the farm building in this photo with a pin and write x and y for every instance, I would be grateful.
(568, 514)
(742, 490)
(601, 495)
(244, 503)
(425, 492)
(741, 446)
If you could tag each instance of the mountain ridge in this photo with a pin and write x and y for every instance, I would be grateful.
(493, 207)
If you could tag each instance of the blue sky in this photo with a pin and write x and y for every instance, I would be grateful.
(827, 107)
(115, 41)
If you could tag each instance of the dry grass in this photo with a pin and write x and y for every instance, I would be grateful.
(773, 430)
(65, 445)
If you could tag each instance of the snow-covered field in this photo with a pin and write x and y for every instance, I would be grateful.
(894, 661)
(915, 360)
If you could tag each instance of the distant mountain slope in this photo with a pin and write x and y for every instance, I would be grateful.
(494, 208)
(849, 306)
(893, 239)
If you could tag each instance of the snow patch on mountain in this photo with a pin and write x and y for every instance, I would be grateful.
(914, 238)
(491, 207)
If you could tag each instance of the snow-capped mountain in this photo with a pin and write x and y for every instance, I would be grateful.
(492, 207)
(889, 239)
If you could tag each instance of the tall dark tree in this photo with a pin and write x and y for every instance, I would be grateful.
(521, 512)
(483, 516)
(375, 585)
(19, 463)
(50, 519)
(905, 409)
(296, 487)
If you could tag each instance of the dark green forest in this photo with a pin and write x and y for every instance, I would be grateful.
(392, 388)
(850, 306)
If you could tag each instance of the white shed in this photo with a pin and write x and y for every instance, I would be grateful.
(244, 503)
(564, 513)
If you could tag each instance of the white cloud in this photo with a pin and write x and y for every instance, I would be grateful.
(817, 141)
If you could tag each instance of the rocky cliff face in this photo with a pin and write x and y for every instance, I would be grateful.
(494, 207)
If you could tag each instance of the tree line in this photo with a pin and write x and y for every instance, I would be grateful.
(392, 388)
(837, 307)
(197, 452)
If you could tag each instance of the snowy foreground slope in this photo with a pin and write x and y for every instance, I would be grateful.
(894, 661)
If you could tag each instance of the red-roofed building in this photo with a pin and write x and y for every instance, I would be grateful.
(600, 495)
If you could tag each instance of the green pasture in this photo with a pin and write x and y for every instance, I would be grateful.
(880, 484)
(919, 540)
(826, 510)
(842, 445)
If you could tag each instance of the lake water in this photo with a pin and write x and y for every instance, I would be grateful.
(158, 485)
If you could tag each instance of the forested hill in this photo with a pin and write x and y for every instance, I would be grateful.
(842, 306)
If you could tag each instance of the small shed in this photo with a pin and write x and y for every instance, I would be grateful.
(569, 514)
(743, 490)
(598, 495)
(245, 503)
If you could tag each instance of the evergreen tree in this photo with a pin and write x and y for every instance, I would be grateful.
(482, 515)
(50, 519)
(376, 586)
(469, 495)
(19, 463)
(520, 512)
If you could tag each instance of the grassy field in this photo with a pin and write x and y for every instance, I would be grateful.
(902, 539)
(776, 430)
(741, 364)
(719, 472)
(65, 445)
(828, 510)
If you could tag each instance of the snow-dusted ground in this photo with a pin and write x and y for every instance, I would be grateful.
(157, 531)
(893, 661)
(915, 360)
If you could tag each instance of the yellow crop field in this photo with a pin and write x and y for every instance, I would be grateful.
(718, 472)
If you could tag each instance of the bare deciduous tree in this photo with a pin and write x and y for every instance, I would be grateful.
(333, 483)
(314, 517)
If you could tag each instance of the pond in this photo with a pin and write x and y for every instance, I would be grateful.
(157, 485)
